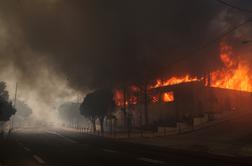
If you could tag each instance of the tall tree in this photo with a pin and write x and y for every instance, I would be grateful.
(98, 105)
(6, 107)
(87, 109)
(105, 105)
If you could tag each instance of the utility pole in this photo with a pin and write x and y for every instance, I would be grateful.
(15, 100)
(124, 106)
(146, 117)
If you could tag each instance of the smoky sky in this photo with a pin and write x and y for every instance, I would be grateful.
(100, 43)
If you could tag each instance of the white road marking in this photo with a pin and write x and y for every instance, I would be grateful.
(38, 159)
(109, 150)
(151, 160)
(27, 149)
(65, 138)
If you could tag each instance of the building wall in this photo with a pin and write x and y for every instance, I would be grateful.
(162, 113)
(221, 100)
(190, 100)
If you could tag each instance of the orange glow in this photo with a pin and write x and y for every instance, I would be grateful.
(134, 88)
(168, 97)
(174, 80)
(226, 55)
(155, 98)
(235, 74)
(118, 97)
(131, 98)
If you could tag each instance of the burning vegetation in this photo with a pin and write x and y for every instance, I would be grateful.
(235, 75)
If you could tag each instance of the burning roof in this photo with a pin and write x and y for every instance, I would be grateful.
(235, 74)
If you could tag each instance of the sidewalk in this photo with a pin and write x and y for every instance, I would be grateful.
(231, 137)
(206, 146)
(162, 131)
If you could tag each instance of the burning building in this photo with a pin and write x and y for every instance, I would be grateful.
(183, 98)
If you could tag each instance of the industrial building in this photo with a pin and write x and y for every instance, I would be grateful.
(185, 103)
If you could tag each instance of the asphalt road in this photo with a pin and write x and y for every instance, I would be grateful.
(35, 146)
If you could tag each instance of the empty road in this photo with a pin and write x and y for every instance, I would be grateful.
(48, 147)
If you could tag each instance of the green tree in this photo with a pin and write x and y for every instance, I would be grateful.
(98, 105)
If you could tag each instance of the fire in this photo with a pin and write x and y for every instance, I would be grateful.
(227, 55)
(131, 97)
(235, 74)
(119, 97)
(168, 97)
(174, 80)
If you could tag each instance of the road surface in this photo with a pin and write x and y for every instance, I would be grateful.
(35, 146)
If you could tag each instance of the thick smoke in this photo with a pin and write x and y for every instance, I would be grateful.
(97, 43)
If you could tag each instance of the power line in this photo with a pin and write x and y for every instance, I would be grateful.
(234, 7)
(225, 33)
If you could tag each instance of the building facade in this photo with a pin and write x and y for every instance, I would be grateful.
(183, 102)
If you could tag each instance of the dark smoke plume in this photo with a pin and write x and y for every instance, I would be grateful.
(97, 43)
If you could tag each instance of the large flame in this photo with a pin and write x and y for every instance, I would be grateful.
(174, 80)
(235, 74)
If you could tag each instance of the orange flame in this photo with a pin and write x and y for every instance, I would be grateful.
(119, 97)
(227, 55)
(168, 97)
(235, 74)
(174, 80)
(130, 96)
